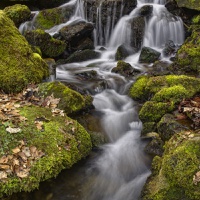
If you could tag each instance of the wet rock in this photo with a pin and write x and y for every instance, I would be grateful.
(18, 13)
(168, 126)
(125, 69)
(159, 68)
(155, 146)
(85, 43)
(74, 34)
(84, 55)
(194, 5)
(148, 127)
(137, 32)
(148, 55)
(49, 46)
(87, 75)
(170, 48)
(122, 52)
(146, 10)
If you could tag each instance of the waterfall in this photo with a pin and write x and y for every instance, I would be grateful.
(122, 167)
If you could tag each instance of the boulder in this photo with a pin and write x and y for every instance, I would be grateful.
(125, 69)
(18, 13)
(49, 46)
(159, 68)
(170, 48)
(148, 55)
(43, 147)
(175, 175)
(137, 32)
(19, 66)
(194, 4)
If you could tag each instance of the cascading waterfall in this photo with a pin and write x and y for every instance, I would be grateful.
(121, 170)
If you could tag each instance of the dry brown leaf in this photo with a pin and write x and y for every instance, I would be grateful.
(23, 173)
(3, 160)
(196, 178)
(5, 167)
(39, 125)
(13, 130)
(26, 151)
(15, 161)
(3, 175)
(23, 156)
(16, 150)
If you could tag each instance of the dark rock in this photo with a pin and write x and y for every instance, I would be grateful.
(148, 55)
(87, 75)
(159, 68)
(137, 32)
(170, 48)
(168, 126)
(75, 33)
(146, 10)
(125, 69)
(155, 146)
(83, 44)
(122, 52)
(84, 55)
(50, 3)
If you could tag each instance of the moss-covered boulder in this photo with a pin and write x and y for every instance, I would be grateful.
(19, 66)
(122, 52)
(162, 94)
(191, 4)
(70, 100)
(175, 175)
(41, 147)
(49, 46)
(18, 13)
(125, 69)
(48, 18)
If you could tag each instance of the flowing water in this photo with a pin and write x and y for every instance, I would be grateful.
(121, 168)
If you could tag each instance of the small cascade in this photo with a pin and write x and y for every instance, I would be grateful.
(163, 26)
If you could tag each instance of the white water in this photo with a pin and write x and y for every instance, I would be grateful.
(120, 172)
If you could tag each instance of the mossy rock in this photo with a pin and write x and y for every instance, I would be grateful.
(122, 52)
(148, 55)
(18, 13)
(152, 111)
(191, 4)
(49, 46)
(48, 18)
(19, 66)
(188, 56)
(70, 100)
(174, 176)
(62, 140)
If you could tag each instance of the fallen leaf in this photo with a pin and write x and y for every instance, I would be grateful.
(3, 175)
(3, 159)
(4, 167)
(16, 150)
(23, 173)
(13, 130)
(26, 151)
(196, 178)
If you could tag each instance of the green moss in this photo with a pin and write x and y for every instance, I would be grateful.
(191, 4)
(137, 91)
(48, 18)
(172, 176)
(63, 140)
(70, 100)
(18, 13)
(18, 65)
(176, 93)
(196, 19)
(152, 111)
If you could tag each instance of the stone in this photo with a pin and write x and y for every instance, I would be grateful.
(148, 55)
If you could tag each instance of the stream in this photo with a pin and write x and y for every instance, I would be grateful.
(119, 169)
